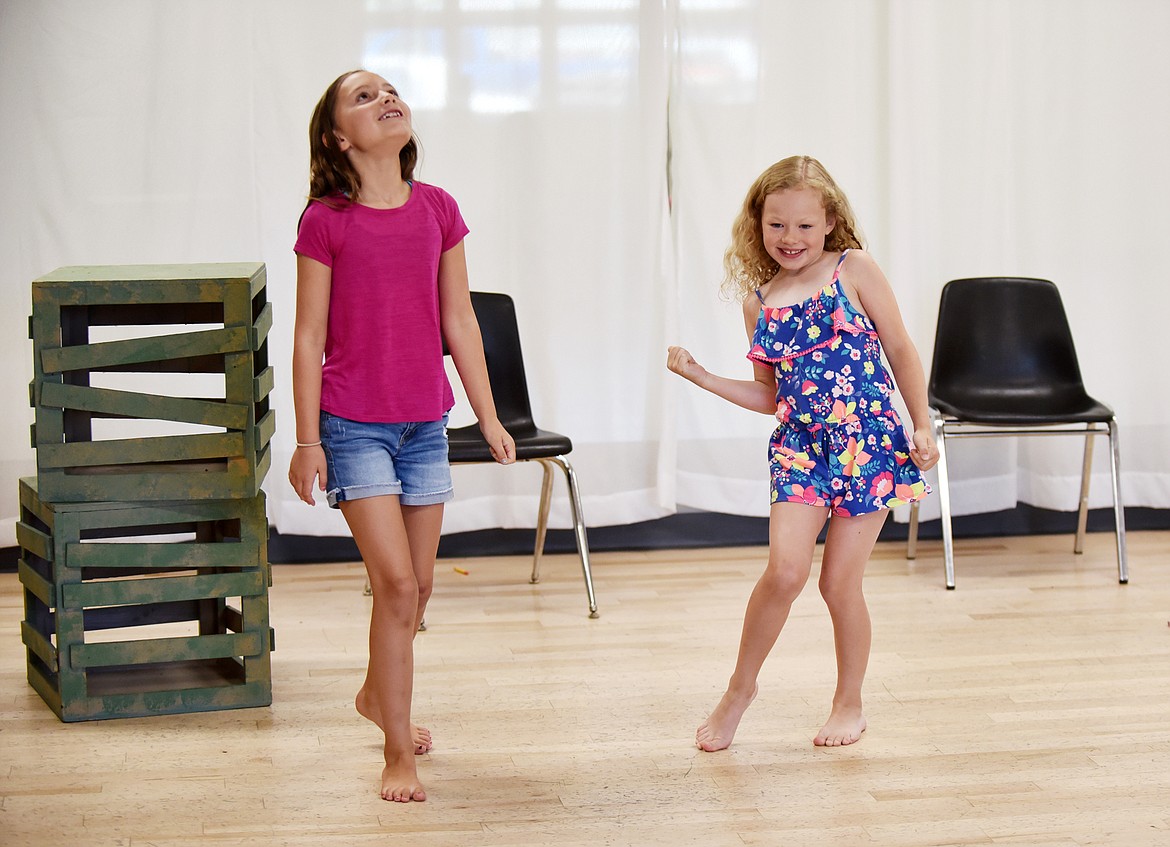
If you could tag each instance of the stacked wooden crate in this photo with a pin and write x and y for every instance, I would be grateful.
(144, 557)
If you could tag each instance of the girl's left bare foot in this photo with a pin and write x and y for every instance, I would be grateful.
(420, 735)
(844, 726)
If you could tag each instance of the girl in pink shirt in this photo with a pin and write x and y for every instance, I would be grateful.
(381, 282)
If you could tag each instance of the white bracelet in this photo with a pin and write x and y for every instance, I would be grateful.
(310, 444)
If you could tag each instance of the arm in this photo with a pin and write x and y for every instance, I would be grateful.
(308, 463)
(758, 394)
(461, 332)
(876, 298)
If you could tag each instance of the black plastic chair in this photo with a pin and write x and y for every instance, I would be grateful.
(1004, 364)
(505, 364)
(496, 314)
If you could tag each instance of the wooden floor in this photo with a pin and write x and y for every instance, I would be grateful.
(1031, 706)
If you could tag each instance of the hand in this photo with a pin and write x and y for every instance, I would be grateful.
(924, 452)
(306, 468)
(502, 445)
(680, 361)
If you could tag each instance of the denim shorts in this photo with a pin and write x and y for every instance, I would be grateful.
(373, 459)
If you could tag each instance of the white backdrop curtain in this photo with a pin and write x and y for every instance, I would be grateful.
(599, 150)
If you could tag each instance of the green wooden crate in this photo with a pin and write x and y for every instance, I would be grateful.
(227, 453)
(129, 606)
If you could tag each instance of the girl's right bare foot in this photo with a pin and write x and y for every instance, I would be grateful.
(400, 782)
(718, 730)
(420, 735)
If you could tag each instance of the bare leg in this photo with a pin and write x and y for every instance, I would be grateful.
(380, 532)
(848, 545)
(792, 531)
(423, 526)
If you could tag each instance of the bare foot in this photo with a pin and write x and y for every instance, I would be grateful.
(400, 782)
(716, 732)
(420, 735)
(844, 726)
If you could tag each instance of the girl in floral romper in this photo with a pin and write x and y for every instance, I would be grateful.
(819, 313)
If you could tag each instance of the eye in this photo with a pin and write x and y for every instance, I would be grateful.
(363, 95)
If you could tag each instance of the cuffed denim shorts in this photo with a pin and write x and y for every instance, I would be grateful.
(373, 459)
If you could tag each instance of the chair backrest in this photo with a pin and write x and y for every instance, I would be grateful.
(1003, 345)
(496, 314)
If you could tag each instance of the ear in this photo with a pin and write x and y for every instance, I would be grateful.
(831, 219)
(340, 142)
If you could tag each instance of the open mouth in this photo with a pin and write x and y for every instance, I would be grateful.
(393, 113)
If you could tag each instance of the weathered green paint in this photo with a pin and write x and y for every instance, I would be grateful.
(262, 326)
(32, 539)
(34, 583)
(77, 600)
(162, 555)
(133, 404)
(138, 451)
(155, 650)
(38, 644)
(265, 429)
(263, 384)
(88, 357)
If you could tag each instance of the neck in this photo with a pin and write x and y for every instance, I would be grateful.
(382, 184)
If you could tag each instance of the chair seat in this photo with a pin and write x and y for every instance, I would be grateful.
(1008, 408)
(466, 444)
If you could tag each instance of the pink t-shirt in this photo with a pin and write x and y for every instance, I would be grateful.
(384, 348)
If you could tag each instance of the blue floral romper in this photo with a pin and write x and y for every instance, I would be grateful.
(840, 442)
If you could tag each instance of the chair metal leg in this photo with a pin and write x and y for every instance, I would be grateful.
(1083, 507)
(542, 517)
(1118, 506)
(579, 529)
(912, 532)
(944, 499)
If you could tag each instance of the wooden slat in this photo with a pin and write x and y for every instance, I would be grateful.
(39, 644)
(176, 556)
(161, 589)
(263, 384)
(137, 451)
(265, 429)
(36, 584)
(150, 651)
(133, 404)
(262, 326)
(84, 357)
(38, 543)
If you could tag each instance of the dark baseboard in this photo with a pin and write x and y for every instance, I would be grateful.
(690, 530)
(709, 529)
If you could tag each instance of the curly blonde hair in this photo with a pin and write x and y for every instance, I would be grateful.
(746, 264)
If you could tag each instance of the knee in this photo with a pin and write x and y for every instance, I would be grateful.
(425, 587)
(785, 580)
(396, 595)
(839, 591)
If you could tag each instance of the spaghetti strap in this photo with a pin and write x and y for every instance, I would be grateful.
(760, 297)
(841, 261)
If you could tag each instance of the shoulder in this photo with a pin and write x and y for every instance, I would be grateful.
(857, 262)
(434, 195)
(322, 212)
(859, 272)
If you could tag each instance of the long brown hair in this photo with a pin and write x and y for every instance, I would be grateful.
(330, 171)
(746, 264)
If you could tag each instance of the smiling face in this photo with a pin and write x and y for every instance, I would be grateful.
(369, 113)
(794, 225)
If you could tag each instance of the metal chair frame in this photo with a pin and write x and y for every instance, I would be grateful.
(950, 428)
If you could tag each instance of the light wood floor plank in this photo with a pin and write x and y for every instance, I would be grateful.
(1031, 706)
